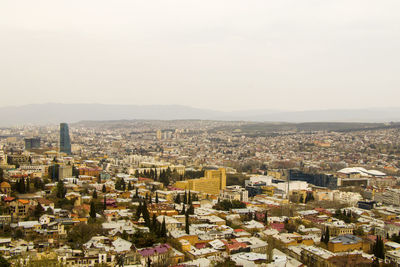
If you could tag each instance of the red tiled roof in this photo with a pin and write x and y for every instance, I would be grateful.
(277, 226)
(5, 185)
(200, 245)
(236, 246)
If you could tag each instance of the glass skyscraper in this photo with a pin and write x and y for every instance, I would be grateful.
(65, 141)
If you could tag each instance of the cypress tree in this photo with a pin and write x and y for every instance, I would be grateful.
(266, 218)
(28, 186)
(190, 210)
(123, 185)
(104, 188)
(326, 236)
(178, 199)
(154, 222)
(187, 223)
(139, 210)
(92, 212)
(60, 189)
(189, 199)
(23, 189)
(185, 198)
(378, 249)
(94, 196)
(183, 211)
(156, 197)
(163, 229)
(146, 215)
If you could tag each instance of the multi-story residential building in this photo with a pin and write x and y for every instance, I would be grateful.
(234, 192)
(391, 196)
(214, 180)
(19, 208)
(32, 143)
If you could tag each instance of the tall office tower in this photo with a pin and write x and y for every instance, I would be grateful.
(32, 143)
(65, 142)
(158, 133)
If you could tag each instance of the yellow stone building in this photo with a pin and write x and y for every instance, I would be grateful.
(212, 183)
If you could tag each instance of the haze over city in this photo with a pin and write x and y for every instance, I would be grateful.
(220, 55)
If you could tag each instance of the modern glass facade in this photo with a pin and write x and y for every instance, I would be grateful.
(65, 141)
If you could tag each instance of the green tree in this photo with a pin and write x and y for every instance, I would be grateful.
(39, 210)
(92, 212)
(187, 224)
(146, 215)
(379, 248)
(266, 218)
(183, 211)
(82, 233)
(290, 227)
(18, 234)
(139, 210)
(178, 199)
(103, 189)
(156, 197)
(123, 185)
(190, 210)
(28, 185)
(60, 190)
(4, 262)
(94, 196)
(154, 222)
(326, 236)
(163, 229)
(165, 180)
(185, 198)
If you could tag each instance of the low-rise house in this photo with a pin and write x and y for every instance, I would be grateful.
(160, 254)
(29, 226)
(202, 253)
(393, 257)
(170, 223)
(256, 245)
(5, 188)
(253, 226)
(294, 239)
(345, 243)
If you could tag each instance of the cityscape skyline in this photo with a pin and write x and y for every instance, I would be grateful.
(199, 133)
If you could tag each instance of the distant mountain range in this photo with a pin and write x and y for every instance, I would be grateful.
(55, 113)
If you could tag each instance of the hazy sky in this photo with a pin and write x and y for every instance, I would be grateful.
(225, 55)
